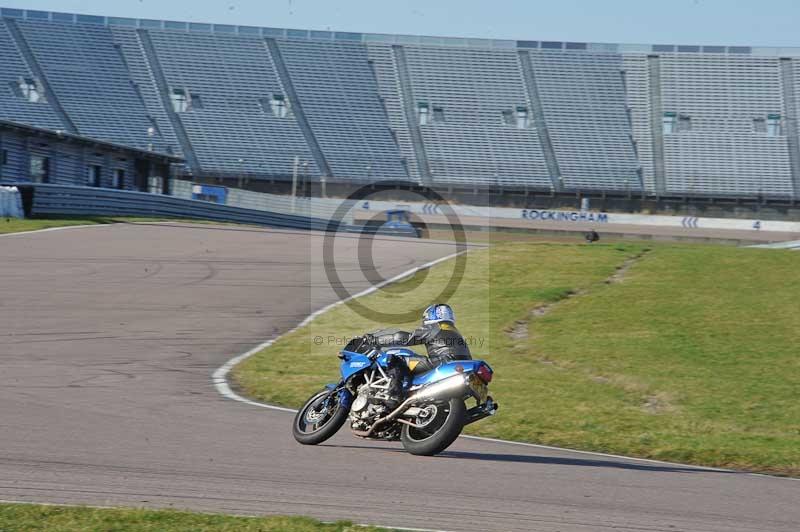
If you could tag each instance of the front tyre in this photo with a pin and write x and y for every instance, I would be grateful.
(437, 430)
(319, 419)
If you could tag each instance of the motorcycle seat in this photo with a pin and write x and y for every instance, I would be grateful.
(415, 364)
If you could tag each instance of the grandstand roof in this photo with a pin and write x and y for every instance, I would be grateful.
(86, 141)
(465, 42)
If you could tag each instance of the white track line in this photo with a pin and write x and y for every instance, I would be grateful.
(793, 244)
(65, 504)
(60, 228)
(220, 380)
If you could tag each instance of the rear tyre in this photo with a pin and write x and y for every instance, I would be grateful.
(439, 431)
(319, 419)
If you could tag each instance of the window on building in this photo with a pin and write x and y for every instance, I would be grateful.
(523, 120)
(438, 114)
(29, 89)
(423, 111)
(770, 126)
(4, 157)
(669, 123)
(93, 175)
(195, 101)
(508, 118)
(40, 169)
(180, 100)
(773, 125)
(684, 123)
(278, 106)
(118, 181)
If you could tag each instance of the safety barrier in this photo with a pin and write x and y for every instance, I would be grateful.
(362, 209)
(260, 201)
(89, 201)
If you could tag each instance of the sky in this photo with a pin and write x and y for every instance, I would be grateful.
(722, 22)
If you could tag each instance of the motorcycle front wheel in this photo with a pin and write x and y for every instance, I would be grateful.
(437, 428)
(319, 419)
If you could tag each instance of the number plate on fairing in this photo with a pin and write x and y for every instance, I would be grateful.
(479, 387)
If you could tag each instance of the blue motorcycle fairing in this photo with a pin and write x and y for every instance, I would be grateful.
(448, 369)
(353, 363)
(383, 359)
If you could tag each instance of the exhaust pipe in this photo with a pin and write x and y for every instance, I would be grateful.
(479, 412)
(444, 387)
(441, 388)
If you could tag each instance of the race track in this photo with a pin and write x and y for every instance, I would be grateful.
(108, 339)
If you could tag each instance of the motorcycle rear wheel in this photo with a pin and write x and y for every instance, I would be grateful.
(439, 433)
(315, 422)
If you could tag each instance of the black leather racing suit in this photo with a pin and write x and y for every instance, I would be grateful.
(442, 340)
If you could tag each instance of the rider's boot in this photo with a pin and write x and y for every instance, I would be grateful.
(400, 381)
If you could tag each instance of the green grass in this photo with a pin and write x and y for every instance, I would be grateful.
(14, 225)
(33, 517)
(693, 357)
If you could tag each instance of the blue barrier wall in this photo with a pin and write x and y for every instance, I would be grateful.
(71, 200)
(48, 200)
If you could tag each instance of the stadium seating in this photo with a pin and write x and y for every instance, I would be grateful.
(722, 153)
(584, 105)
(339, 95)
(231, 131)
(141, 74)
(87, 74)
(469, 142)
(640, 114)
(12, 106)
(245, 101)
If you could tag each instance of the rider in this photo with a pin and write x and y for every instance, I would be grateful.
(441, 338)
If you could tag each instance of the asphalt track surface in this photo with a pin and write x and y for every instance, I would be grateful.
(108, 339)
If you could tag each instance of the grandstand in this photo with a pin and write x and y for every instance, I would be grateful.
(233, 101)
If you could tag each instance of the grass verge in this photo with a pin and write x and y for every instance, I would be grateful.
(32, 517)
(15, 225)
(690, 355)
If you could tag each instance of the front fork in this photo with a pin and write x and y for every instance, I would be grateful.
(343, 395)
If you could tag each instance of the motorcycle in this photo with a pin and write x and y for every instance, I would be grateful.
(430, 418)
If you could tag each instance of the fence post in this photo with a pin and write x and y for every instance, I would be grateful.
(294, 181)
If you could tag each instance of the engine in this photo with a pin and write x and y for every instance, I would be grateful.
(368, 406)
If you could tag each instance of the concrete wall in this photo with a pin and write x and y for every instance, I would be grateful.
(316, 207)
(589, 216)
(366, 209)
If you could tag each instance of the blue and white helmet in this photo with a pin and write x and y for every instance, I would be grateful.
(438, 313)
